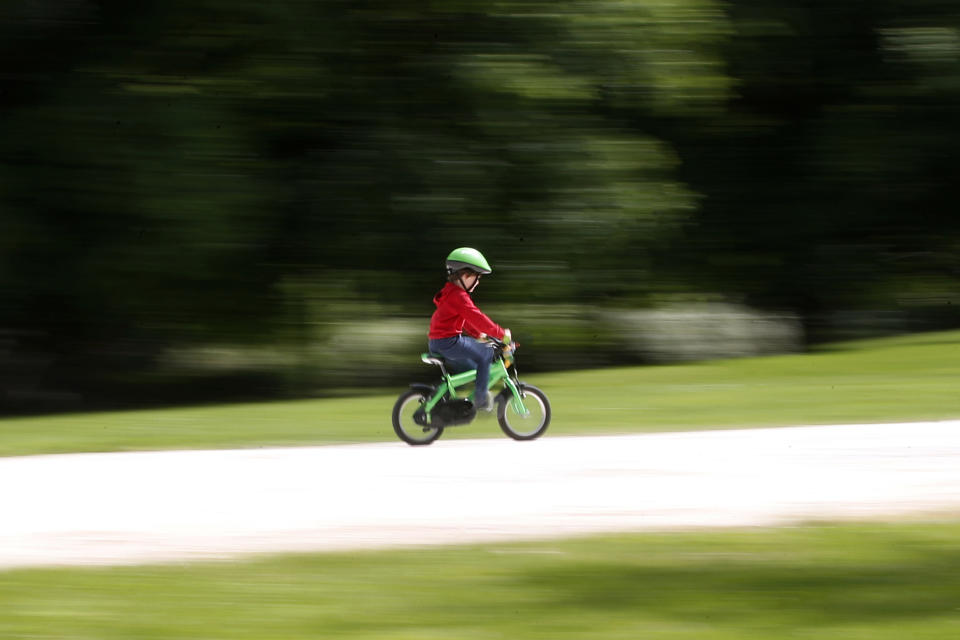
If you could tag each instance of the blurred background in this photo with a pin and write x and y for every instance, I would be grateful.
(220, 199)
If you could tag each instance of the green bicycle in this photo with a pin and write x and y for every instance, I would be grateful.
(422, 413)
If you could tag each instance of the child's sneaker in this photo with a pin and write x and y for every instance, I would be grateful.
(484, 403)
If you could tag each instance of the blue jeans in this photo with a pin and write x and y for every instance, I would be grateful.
(463, 353)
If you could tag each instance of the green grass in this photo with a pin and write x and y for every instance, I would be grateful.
(871, 581)
(894, 379)
(907, 378)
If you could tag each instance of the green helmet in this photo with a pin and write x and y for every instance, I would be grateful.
(467, 258)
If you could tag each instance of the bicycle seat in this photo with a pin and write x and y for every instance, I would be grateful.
(432, 358)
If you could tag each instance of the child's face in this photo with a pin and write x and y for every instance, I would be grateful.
(469, 280)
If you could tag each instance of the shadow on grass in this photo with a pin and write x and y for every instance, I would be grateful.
(883, 581)
(904, 579)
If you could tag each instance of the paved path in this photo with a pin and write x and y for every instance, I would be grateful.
(146, 507)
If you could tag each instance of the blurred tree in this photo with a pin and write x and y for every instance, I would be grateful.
(200, 171)
(224, 170)
(825, 182)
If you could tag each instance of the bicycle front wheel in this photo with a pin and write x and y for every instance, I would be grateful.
(403, 423)
(529, 425)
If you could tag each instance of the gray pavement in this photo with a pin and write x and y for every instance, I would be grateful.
(128, 508)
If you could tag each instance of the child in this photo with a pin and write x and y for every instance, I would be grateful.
(456, 311)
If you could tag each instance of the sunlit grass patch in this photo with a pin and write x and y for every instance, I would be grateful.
(864, 580)
(894, 379)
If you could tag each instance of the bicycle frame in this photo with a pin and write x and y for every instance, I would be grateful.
(498, 373)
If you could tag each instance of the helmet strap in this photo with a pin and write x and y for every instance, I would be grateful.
(464, 286)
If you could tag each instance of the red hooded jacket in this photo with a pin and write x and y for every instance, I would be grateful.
(455, 310)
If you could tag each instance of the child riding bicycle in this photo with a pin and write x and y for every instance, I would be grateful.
(455, 312)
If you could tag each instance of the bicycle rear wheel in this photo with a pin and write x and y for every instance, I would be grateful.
(403, 423)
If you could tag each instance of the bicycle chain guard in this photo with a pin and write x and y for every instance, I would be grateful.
(447, 413)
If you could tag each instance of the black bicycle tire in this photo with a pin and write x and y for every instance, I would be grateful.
(504, 404)
(398, 427)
